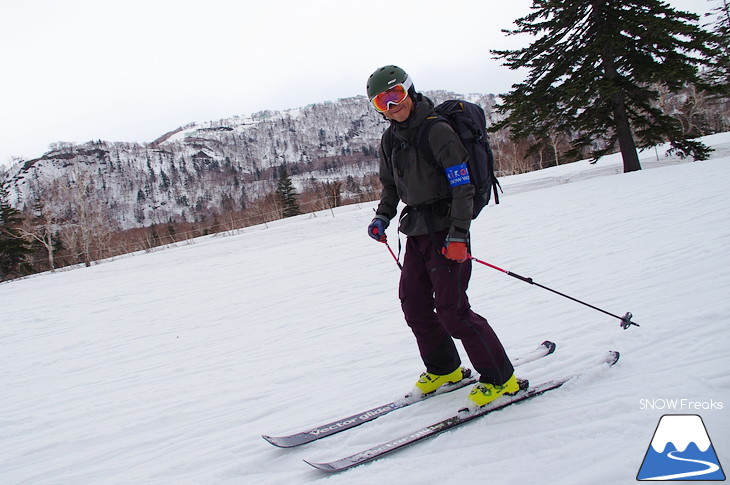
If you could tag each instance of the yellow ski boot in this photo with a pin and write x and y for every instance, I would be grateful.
(484, 393)
(429, 383)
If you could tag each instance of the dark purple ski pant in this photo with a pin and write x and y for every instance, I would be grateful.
(433, 298)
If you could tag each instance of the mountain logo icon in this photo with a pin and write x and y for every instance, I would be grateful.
(681, 450)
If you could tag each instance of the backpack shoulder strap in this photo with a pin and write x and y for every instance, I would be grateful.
(386, 143)
(387, 138)
(424, 131)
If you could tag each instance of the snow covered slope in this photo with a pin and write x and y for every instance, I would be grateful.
(166, 367)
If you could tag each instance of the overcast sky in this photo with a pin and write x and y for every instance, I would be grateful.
(77, 70)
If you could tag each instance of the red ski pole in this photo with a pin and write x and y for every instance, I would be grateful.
(393, 254)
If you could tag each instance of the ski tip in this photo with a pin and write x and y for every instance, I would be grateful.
(274, 441)
(325, 467)
(550, 346)
(612, 357)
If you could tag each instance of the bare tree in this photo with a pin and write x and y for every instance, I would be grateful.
(88, 229)
(44, 230)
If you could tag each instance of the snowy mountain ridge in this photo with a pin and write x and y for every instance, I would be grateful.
(214, 167)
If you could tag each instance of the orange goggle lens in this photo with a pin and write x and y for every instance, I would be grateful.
(394, 95)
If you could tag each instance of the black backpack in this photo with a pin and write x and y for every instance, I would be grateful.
(470, 124)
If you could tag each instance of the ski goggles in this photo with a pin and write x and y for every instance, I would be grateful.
(393, 95)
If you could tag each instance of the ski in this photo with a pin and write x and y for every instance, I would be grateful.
(334, 427)
(463, 416)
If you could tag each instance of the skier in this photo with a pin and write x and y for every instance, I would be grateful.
(436, 266)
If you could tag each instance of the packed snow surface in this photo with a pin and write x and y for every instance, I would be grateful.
(166, 367)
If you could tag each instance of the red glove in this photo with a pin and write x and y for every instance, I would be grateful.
(455, 250)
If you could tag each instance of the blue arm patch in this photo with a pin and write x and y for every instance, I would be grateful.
(458, 175)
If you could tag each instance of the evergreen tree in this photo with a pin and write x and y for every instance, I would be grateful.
(286, 194)
(719, 73)
(13, 248)
(594, 72)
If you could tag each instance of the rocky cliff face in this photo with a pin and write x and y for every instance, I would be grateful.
(210, 167)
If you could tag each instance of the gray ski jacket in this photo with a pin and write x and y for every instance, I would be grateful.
(414, 177)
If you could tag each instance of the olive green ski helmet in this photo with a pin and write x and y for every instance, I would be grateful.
(385, 78)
